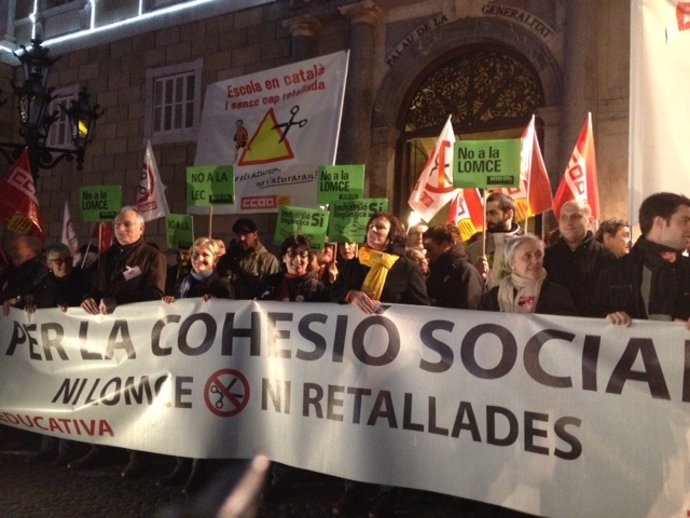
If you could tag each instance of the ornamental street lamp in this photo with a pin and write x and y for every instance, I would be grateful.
(33, 102)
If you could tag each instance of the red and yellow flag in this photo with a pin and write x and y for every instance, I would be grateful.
(579, 181)
(19, 208)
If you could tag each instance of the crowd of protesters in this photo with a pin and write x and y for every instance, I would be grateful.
(579, 273)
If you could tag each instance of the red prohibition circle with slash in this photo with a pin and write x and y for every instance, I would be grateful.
(226, 392)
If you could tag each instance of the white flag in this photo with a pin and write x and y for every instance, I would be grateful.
(151, 200)
(69, 236)
(434, 189)
(659, 110)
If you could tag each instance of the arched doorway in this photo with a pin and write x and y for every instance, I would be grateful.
(389, 166)
(489, 90)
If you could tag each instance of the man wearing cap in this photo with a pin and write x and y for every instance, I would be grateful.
(253, 270)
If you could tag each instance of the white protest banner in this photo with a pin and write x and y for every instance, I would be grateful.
(527, 412)
(659, 111)
(276, 127)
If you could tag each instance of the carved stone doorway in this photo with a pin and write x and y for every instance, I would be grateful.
(490, 91)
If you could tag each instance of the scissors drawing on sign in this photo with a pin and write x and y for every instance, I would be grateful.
(215, 389)
(285, 126)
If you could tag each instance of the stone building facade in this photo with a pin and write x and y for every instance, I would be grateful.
(492, 64)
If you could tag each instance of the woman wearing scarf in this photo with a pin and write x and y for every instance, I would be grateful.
(202, 282)
(527, 289)
(382, 273)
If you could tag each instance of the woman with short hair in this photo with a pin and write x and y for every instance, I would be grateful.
(527, 288)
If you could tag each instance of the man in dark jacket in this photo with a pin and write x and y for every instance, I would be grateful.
(130, 271)
(452, 281)
(652, 282)
(253, 271)
(576, 259)
(29, 269)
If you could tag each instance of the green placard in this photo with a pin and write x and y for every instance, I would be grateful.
(210, 185)
(486, 164)
(340, 182)
(312, 223)
(99, 203)
(348, 222)
(179, 231)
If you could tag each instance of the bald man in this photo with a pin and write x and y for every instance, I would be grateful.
(576, 259)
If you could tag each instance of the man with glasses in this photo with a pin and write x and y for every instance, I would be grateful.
(130, 271)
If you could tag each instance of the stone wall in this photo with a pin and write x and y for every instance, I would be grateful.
(580, 50)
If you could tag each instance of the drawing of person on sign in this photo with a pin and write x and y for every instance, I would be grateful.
(241, 137)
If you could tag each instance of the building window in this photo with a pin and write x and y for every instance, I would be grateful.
(60, 133)
(173, 102)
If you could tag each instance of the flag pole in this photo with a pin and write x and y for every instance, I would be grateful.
(485, 196)
(88, 246)
(210, 221)
(100, 241)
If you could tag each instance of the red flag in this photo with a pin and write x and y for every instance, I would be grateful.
(69, 236)
(533, 196)
(151, 200)
(434, 189)
(466, 212)
(19, 209)
(580, 178)
(106, 236)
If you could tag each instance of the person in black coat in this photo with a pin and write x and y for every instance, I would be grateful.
(63, 287)
(453, 282)
(203, 282)
(576, 259)
(382, 273)
(527, 289)
(28, 271)
(130, 271)
(652, 282)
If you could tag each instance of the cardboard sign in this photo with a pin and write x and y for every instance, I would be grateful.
(348, 221)
(210, 185)
(340, 182)
(179, 231)
(312, 223)
(99, 203)
(486, 164)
